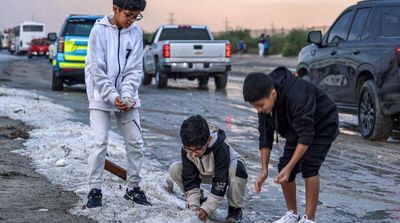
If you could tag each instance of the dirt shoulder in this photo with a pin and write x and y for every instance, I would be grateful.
(25, 195)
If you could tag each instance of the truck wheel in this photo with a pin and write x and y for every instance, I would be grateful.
(221, 81)
(373, 123)
(161, 80)
(147, 78)
(203, 82)
(57, 82)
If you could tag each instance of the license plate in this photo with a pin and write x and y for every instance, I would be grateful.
(198, 66)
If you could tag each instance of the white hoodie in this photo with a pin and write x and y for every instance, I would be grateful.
(114, 64)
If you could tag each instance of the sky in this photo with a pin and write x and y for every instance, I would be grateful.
(252, 14)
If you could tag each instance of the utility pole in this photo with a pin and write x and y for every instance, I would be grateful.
(226, 25)
(171, 18)
(272, 28)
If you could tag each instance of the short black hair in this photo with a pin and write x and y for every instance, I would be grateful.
(132, 5)
(257, 86)
(194, 131)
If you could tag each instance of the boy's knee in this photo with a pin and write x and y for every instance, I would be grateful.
(175, 169)
(100, 141)
(237, 170)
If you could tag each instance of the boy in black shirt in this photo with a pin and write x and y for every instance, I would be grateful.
(307, 118)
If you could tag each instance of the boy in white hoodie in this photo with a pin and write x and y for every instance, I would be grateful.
(113, 74)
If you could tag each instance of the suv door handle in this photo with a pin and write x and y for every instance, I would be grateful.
(333, 53)
(356, 52)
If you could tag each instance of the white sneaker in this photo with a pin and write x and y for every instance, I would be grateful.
(289, 217)
(305, 220)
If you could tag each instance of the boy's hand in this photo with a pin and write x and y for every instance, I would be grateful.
(129, 102)
(202, 215)
(260, 181)
(194, 207)
(120, 105)
(283, 176)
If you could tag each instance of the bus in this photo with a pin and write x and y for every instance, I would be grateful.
(24, 33)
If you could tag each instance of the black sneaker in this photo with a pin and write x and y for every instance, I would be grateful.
(137, 196)
(94, 198)
(202, 197)
(234, 215)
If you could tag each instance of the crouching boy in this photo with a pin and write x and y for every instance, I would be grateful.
(207, 158)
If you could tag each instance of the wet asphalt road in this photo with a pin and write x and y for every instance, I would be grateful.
(360, 180)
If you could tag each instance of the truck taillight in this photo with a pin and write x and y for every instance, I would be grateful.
(398, 56)
(60, 45)
(228, 50)
(166, 51)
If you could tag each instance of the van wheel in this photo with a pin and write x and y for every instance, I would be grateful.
(57, 83)
(373, 123)
(221, 81)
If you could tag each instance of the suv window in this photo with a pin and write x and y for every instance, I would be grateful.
(358, 24)
(390, 21)
(340, 29)
(78, 27)
(184, 34)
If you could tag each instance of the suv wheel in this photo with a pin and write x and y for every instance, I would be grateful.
(221, 81)
(57, 82)
(373, 123)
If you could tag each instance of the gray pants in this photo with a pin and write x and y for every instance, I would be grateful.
(129, 124)
(236, 185)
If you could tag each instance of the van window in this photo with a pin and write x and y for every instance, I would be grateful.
(184, 34)
(358, 24)
(340, 29)
(79, 27)
(32, 28)
(390, 21)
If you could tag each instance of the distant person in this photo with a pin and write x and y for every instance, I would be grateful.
(241, 47)
(267, 45)
(308, 120)
(113, 74)
(261, 46)
(207, 158)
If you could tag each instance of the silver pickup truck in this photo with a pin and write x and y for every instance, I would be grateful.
(186, 52)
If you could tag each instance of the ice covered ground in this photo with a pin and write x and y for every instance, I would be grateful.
(60, 150)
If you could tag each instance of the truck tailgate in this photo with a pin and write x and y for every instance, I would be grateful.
(198, 49)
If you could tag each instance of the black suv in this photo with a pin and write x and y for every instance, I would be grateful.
(357, 63)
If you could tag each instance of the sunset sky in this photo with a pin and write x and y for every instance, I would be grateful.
(253, 14)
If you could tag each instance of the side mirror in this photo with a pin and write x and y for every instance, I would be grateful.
(146, 42)
(52, 37)
(315, 37)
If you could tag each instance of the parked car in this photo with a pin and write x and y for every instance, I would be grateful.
(72, 41)
(38, 47)
(4, 41)
(186, 52)
(357, 63)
